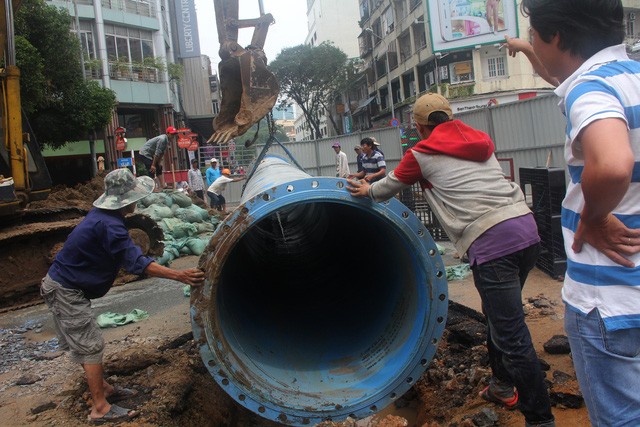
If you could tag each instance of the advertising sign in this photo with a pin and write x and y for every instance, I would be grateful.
(457, 24)
(187, 29)
(125, 161)
(184, 138)
(121, 143)
(193, 146)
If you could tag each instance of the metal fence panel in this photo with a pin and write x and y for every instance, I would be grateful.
(531, 132)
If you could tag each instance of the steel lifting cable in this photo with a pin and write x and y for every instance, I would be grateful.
(271, 124)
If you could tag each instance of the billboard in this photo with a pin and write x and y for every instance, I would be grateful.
(187, 29)
(458, 24)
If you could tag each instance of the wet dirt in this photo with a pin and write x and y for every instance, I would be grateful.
(79, 196)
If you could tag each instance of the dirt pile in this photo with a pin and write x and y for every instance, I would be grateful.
(80, 196)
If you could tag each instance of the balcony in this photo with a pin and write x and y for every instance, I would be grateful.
(143, 8)
(133, 72)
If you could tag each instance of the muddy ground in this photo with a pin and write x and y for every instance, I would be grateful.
(157, 357)
(39, 386)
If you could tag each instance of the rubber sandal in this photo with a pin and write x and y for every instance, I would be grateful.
(115, 414)
(508, 402)
(120, 393)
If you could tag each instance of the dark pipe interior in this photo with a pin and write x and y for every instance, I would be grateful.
(318, 286)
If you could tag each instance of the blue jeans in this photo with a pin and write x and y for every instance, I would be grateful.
(512, 357)
(607, 365)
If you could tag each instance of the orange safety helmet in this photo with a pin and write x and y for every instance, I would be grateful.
(226, 171)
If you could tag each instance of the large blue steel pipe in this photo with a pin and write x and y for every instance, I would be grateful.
(317, 306)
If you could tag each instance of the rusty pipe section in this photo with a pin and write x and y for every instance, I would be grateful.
(317, 306)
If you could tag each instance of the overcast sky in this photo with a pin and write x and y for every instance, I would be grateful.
(289, 30)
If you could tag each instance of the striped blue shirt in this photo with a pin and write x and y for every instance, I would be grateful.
(606, 86)
(373, 164)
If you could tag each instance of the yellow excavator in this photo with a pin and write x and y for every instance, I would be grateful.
(249, 90)
(23, 175)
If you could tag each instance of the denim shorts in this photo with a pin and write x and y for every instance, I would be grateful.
(75, 325)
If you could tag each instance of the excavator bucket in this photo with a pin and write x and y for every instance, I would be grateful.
(249, 92)
(248, 89)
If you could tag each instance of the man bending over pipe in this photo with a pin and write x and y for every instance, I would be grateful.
(486, 217)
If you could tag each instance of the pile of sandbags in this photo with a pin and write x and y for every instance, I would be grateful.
(187, 227)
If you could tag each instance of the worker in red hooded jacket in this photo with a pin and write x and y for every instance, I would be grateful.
(487, 218)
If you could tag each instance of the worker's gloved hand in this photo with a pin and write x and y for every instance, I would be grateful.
(191, 276)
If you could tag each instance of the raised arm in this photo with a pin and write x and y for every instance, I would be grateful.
(515, 45)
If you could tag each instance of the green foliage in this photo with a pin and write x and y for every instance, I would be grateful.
(262, 128)
(308, 75)
(60, 105)
(33, 81)
(154, 62)
(176, 71)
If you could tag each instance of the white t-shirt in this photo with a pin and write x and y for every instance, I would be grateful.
(219, 185)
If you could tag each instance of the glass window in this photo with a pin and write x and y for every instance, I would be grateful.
(111, 47)
(122, 47)
(496, 67)
(136, 50)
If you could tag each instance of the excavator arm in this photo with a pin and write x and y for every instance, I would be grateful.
(249, 90)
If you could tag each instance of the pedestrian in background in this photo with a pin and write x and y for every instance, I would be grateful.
(486, 217)
(213, 171)
(376, 146)
(580, 43)
(217, 200)
(359, 155)
(374, 167)
(196, 183)
(152, 152)
(85, 269)
(342, 163)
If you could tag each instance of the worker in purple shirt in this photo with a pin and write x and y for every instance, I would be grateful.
(85, 269)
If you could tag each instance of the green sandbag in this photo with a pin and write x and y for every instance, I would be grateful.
(187, 215)
(165, 259)
(457, 272)
(157, 212)
(179, 229)
(205, 227)
(197, 246)
(112, 320)
(181, 199)
(202, 212)
(157, 199)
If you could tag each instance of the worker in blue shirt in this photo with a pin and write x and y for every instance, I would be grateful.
(213, 172)
(85, 268)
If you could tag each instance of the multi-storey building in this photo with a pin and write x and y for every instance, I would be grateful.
(333, 21)
(397, 45)
(131, 47)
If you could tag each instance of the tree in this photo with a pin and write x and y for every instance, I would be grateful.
(341, 86)
(308, 75)
(60, 105)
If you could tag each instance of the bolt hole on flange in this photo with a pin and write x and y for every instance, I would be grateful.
(340, 184)
(290, 188)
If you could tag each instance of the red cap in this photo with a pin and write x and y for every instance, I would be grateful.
(171, 129)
